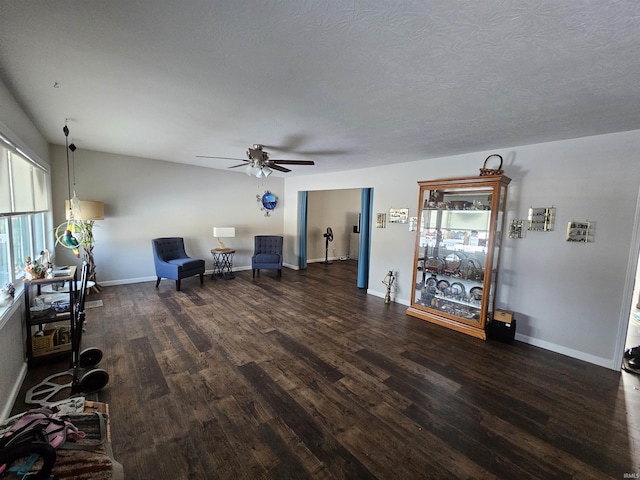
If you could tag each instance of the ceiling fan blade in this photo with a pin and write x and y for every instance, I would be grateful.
(295, 144)
(222, 158)
(278, 167)
(240, 165)
(323, 152)
(293, 162)
(290, 143)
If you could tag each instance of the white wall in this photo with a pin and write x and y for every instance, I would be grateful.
(15, 124)
(12, 356)
(567, 297)
(20, 129)
(145, 199)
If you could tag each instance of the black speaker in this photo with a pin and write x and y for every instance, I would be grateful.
(503, 330)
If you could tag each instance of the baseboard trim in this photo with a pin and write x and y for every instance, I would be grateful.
(569, 352)
(13, 396)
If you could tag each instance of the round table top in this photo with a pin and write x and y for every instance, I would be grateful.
(222, 250)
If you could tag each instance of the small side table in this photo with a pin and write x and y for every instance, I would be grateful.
(222, 263)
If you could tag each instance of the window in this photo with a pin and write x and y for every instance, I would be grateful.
(5, 259)
(21, 236)
(22, 240)
(24, 213)
(39, 232)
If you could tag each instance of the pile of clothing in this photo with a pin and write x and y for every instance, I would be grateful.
(31, 442)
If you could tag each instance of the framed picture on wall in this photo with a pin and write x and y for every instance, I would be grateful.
(398, 215)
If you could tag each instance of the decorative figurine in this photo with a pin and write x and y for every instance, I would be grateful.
(388, 281)
(34, 269)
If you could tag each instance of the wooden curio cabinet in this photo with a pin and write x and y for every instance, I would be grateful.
(457, 252)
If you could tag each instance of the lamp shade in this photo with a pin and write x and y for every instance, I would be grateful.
(88, 210)
(224, 231)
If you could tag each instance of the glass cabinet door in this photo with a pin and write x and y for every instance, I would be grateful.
(457, 253)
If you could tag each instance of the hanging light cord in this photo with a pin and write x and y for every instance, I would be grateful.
(66, 143)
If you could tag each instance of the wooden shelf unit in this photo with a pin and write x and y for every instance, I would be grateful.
(33, 324)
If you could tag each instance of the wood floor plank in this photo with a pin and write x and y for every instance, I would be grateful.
(429, 455)
(305, 354)
(287, 466)
(339, 461)
(150, 378)
(305, 376)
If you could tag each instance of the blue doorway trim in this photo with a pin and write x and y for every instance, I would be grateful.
(303, 199)
(364, 256)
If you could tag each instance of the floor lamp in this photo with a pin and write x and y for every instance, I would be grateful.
(86, 213)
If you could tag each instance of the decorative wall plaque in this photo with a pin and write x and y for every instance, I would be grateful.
(578, 231)
(541, 219)
(516, 228)
(398, 215)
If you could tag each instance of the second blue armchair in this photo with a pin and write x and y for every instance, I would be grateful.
(267, 254)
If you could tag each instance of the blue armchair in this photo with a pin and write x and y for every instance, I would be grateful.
(267, 254)
(172, 262)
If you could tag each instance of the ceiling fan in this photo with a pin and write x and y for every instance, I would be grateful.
(259, 164)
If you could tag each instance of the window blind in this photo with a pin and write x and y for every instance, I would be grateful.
(23, 184)
(5, 186)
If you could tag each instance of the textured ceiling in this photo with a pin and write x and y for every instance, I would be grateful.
(347, 84)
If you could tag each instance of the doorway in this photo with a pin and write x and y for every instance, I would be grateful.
(345, 212)
(633, 329)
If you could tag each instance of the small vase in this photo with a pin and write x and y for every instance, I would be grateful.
(5, 298)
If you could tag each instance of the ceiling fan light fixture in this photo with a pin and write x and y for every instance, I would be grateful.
(259, 164)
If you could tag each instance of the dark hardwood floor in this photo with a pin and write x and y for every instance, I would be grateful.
(306, 376)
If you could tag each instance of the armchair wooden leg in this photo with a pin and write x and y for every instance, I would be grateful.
(158, 282)
(280, 272)
(202, 279)
(253, 273)
(178, 285)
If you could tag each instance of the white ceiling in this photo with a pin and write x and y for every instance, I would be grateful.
(347, 84)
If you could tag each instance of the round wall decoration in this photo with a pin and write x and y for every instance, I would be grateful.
(268, 201)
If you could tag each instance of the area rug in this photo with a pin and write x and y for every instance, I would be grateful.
(93, 304)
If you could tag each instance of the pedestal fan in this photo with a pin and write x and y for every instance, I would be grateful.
(328, 237)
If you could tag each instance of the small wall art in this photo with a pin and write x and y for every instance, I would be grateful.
(517, 228)
(579, 231)
(541, 219)
(398, 215)
(381, 220)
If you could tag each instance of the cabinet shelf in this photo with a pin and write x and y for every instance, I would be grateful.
(60, 317)
(457, 251)
(55, 351)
